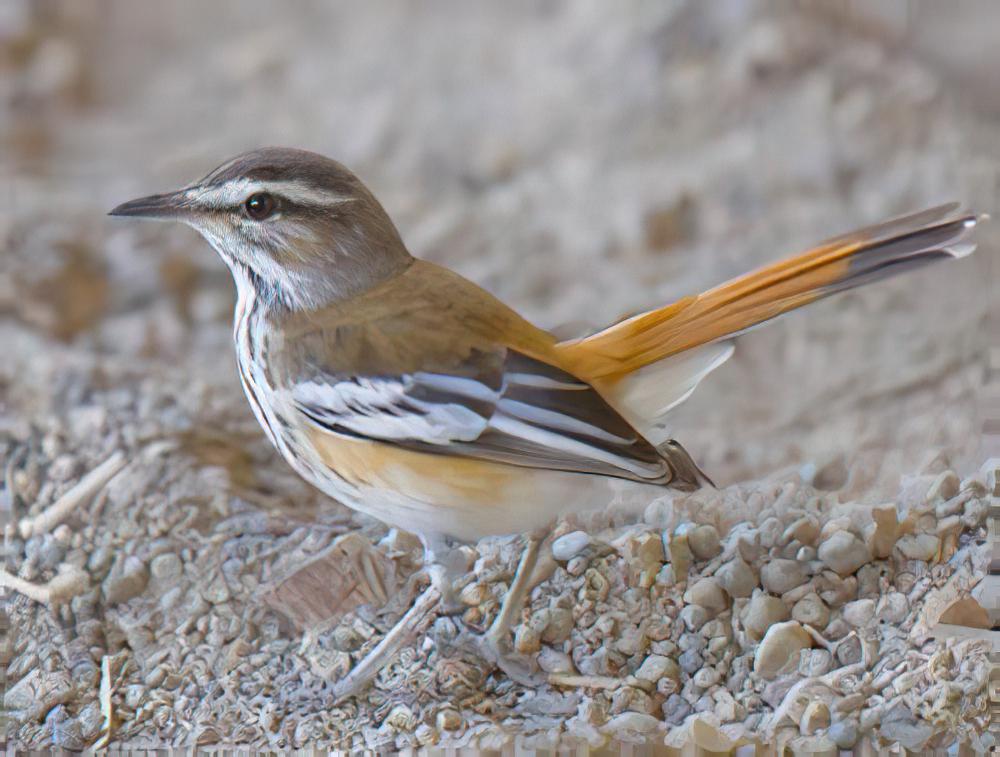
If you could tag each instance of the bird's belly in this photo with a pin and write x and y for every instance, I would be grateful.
(438, 494)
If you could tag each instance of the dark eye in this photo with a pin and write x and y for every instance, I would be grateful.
(259, 206)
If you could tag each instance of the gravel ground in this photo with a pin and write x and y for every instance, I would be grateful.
(581, 161)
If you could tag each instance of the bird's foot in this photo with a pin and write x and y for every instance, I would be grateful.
(498, 652)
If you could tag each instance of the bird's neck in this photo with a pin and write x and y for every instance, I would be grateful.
(290, 289)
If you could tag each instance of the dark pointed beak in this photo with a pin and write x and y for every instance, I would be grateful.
(163, 207)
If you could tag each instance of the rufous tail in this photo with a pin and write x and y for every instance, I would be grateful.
(842, 263)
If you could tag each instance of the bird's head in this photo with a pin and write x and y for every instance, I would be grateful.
(297, 225)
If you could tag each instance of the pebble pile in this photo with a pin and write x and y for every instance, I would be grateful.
(770, 611)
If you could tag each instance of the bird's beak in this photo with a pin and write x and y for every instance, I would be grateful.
(163, 207)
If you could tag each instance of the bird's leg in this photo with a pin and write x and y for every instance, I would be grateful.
(495, 644)
(399, 636)
(406, 628)
(496, 635)
(443, 566)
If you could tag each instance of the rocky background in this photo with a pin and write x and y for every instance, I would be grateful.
(582, 161)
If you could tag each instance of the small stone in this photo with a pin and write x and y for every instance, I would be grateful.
(644, 557)
(707, 593)
(804, 530)
(426, 735)
(655, 667)
(401, 719)
(748, 545)
(814, 662)
(448, 720)
(945, 487)
(527, 639)
(680, 554)
(919, 546)
(474, 594)
(885, 531)
(554, 661)
(815, 717)
(717, 629)
(762, 612)
(630, 723)
(631, 698)
(860, 612)
(811, 611)
(990, 471)
(695, 641)
(706, 678)
(843, 733)
(770, 532)
(844, 553)
(778, 651)
(577, 566)
(893, 608)
(676, 709)
(694, 617)
(690, 662)
(570, 545)
(779, 576)
(127, 579)
(849, 651)
(559, 627)
(704, 542)
(166, 568)
(908, 732)
(737, 578)
(835, 525)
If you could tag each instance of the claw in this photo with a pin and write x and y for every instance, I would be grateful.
(518, 668)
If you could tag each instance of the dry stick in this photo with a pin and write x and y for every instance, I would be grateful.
(585, 681)
(86, 488)
(66, 584)
(107, 706)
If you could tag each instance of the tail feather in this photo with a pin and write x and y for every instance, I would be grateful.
(842, 263)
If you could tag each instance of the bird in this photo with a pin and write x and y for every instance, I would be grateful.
(409, 393)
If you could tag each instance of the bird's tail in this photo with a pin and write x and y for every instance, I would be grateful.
(842, 263)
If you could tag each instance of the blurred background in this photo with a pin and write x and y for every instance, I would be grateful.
(582, 160)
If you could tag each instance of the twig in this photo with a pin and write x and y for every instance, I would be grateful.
(86, 488)
(584, 682)
(107, 706)
(66, 584)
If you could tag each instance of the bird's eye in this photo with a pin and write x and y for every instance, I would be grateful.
(259, 206)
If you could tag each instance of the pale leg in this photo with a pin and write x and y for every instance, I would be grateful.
(439, 569)
(399, 636)
(496, 634)
(495, 644)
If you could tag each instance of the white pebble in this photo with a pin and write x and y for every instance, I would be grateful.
(737, 578)
(859, 612)
(844, 553)
(704, 542)
(779, 650)
(570, 545)
(761, 613)
(779, 576)
(918, 546)
(707, 593)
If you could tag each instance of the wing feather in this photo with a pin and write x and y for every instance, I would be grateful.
(519, 411)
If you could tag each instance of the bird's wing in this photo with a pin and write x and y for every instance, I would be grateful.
(431, 362)
(501, 406)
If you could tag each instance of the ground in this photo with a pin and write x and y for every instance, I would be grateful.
(582, 161)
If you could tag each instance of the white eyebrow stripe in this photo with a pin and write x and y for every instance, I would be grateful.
(236, 191)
